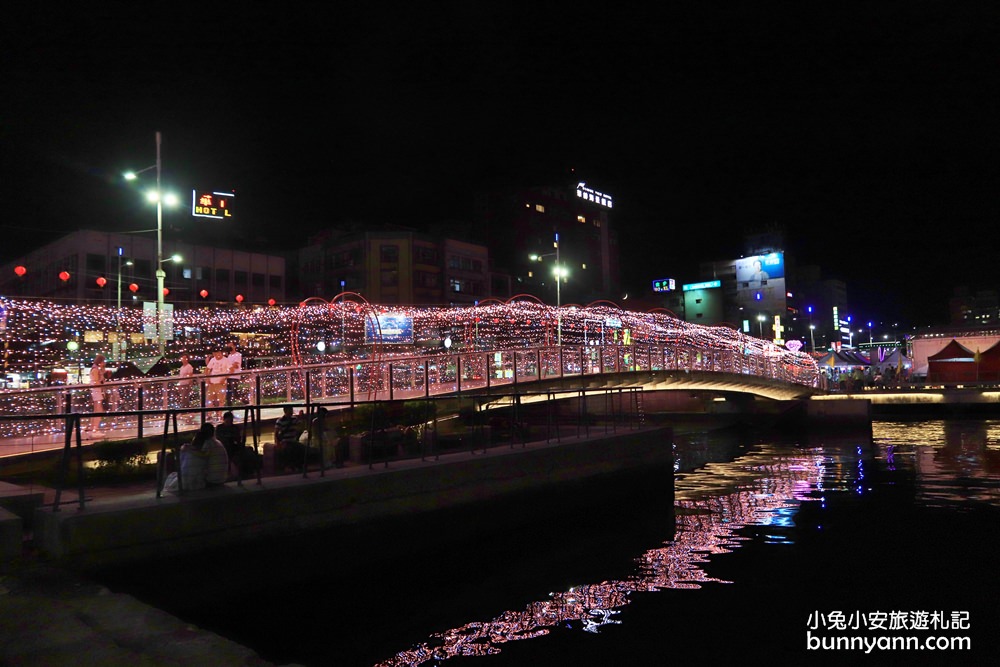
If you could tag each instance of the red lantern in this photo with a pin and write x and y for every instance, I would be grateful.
(20, 271)
(134, 288)
(64, 276)
(204, 293)
(271, 302)
(166, 291)
(101, 281)
(239, 298)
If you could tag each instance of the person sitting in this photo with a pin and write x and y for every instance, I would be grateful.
(217, 462)
(233, 439)
(288, 451)
(194, 463)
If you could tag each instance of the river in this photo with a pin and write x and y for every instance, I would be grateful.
(768, 550)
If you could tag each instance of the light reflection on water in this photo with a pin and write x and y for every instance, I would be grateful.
(712, 504)
(956, 462)
(723, 488)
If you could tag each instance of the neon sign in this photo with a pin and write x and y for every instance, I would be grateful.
(707, 285)
(218, 205)
(664, 285)
(583, 192)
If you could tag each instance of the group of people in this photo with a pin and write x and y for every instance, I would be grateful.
(222, 388)
(222, 368)
(211, 455)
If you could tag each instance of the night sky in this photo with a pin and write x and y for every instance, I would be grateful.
(869, 133)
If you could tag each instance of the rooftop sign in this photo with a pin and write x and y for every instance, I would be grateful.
(709, 285)
(207, 204)
(583, 192)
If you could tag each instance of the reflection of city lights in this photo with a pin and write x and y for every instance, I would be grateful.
(705, 526)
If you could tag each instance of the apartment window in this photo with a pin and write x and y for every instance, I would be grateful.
(222, 277)
(539, 208)
(390, 278)
(597, 223)
(240, 278)
(584, 266)
(582, 219)
(258, 280)
(95, 263)
(390, 253)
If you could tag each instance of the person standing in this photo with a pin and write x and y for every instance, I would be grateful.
(217, 367)
(185, 386)
(235, 360)
(97, 392)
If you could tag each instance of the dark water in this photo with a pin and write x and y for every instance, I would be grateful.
(763, 543)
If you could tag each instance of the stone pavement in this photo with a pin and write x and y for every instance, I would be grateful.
(50, 618)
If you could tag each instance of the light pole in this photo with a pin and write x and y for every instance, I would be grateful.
(812, 337)
(560, 274)
(158, 198)
(760, 324)
(118, 314)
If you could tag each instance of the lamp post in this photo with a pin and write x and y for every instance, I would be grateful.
(812, 337)
(118, 314)
(157, 197)
(760, 324)
(560, 273)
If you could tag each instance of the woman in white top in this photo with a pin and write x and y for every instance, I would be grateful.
(97, 392)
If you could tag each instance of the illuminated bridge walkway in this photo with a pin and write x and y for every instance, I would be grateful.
(35, 420)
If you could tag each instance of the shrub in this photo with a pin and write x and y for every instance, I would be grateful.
(120, 454)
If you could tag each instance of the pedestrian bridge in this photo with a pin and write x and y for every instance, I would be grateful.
(35, 419)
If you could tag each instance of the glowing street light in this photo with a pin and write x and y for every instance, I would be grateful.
(561, 274)
(159, 198)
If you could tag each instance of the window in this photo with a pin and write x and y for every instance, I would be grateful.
(582, 219)
(222, 277)
(539, 208)
(597, 223)
(258, 279)
(390, 278)
(390, 253)
(584, 266)
(95, 263)
(240, 278)
(274, 282)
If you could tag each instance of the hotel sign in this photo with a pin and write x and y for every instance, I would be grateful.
(583, 192)
(208, 204)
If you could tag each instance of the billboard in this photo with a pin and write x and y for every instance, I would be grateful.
(391, 328)
(760, 282)
(664, 285)
(208, 204)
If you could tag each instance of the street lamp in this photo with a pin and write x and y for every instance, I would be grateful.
(118, 316)
(560, 272)
(760, 323)
(158, 198)
(812, 337)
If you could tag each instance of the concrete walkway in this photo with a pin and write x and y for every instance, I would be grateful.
(51, 618)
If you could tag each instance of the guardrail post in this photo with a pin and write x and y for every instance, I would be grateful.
(139, 405)
(458, 374)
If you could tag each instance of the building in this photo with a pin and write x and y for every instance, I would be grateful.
(980, 308)
(102, 267)
(396, 265)
(521, 223)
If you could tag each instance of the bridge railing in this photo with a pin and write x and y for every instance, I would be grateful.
(126, 405)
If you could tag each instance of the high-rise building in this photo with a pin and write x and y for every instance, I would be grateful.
(569, 225)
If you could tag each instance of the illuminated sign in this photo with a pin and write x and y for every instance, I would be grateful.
(709, 285)
(393, 328)
(664, 285)
(794, 345)
(218, 205)
(583, 192)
